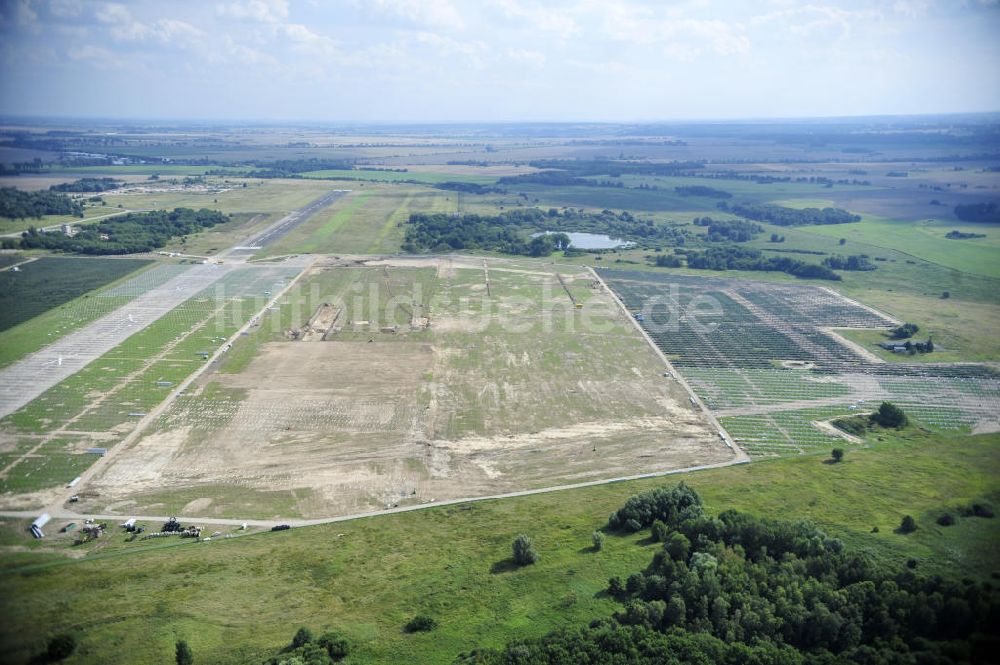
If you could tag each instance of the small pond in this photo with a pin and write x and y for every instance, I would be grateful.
(592, 240)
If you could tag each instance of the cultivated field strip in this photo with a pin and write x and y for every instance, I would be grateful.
(763, 363)
(28, 378)
(102, 402)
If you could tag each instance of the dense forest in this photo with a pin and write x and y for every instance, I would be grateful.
(127, 234)
(88, 185)
(737, 589)
(19, 204)
(741, 258)
(510, 231)
(782, 216)
(978, 212)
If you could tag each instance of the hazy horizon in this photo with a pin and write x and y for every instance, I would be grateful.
(411, 62)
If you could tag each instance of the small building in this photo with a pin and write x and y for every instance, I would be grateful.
(68, 230)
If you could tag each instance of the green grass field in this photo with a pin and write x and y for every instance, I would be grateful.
(369, 220)
(926, 240)
(236, 601)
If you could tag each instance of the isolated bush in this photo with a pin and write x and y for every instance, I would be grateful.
(947, 519)
(420, 624)
(837, 454)
(524, 551)
(615, 586)
(907, 525)
(302, 637)
(660, 532)
(889, 415)
(856, 425)
(976, 510)
(183, 653)
(911, 564)
(598, 539)
(61, 647)
(336, 645)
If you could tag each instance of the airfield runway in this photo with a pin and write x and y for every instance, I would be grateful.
(28, 378)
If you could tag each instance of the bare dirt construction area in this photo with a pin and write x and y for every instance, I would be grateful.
(431, 386)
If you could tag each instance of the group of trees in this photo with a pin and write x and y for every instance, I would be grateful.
(702, 190)
(468, 188)
(510, 231)
(960, 235)
(739, 589)
(904, 331)
(87, 185)
(887, 415)
(782, 216)
(126, 234)
(307, 649)
(742, 258)
(734, 230)
(19, 204)
(853, 262)
(978, 212)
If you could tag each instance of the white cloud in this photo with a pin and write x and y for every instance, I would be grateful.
(24, 14)
(172, 31)
(809, 20)
(66, 8)
(305, 40)
(526, 57)
(539, 17)
(911, 8)
(94, 55)
(265, 11)
(434, 13)
(674, 33)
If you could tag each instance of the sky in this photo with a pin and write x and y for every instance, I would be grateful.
(419, 61)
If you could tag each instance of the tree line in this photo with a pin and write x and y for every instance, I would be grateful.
(782, 216)
(743, 258)
(853, 262)
(702, 190)
(87, 185)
